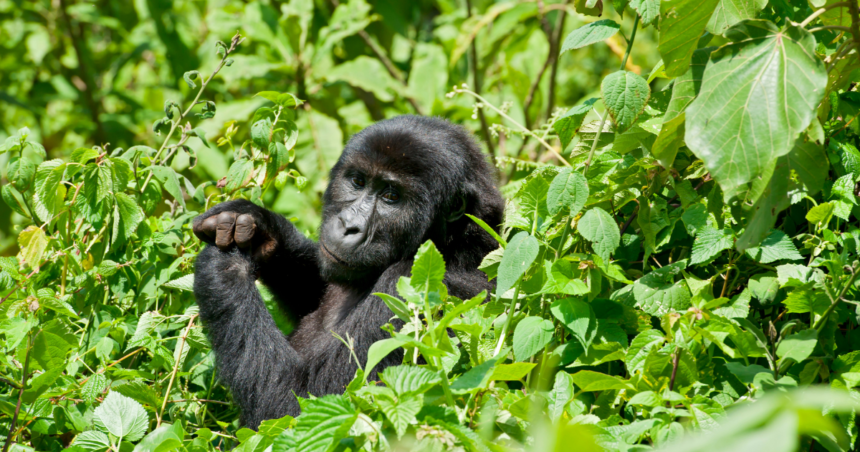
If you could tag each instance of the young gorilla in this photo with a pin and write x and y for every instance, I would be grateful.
(397, 184)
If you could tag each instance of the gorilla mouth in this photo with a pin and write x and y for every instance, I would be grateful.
(331, 255)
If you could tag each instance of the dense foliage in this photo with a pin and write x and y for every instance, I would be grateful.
(679, 257)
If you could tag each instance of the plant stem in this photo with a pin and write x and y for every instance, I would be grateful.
(24, 371)
(834, 301)
(510, 315)
(182, 115)
(675, 360)
(822, 11)
(830, 27)
(179, 346)
(605, 116)
(564, 233)
(521, 127)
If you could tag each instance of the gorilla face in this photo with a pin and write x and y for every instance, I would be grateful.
(395, 186)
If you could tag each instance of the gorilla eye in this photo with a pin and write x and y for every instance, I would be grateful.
(358, 181)
(390, 196)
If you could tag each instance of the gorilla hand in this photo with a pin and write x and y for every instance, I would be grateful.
(241, 223)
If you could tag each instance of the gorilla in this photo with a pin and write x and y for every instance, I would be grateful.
(398, 183)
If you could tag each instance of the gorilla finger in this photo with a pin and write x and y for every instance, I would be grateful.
(205, 229)
(226, 221)
(246, 225)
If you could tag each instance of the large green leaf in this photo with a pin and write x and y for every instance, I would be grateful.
(657, 294)
(405, 380)
(649, 10)
(710, 243)
(530, 336)
(758, 93)
(519, 255)
(687, 86)
(601, 230)
(122, 417)
(324, 421)
(569, 190)
(681, 25)
(625, 95)
(730, 12)
(428, 270)
(578, 317)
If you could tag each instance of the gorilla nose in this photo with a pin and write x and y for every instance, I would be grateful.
(350, 229)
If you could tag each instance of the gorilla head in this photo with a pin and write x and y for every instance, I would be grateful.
(399, 183)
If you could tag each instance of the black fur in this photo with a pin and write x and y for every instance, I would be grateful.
(437, 167)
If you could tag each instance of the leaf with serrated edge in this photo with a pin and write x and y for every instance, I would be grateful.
(625, 95)
(598, 227)
(757, 95)
(710, 243)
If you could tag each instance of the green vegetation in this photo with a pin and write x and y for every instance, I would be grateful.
(677, 269)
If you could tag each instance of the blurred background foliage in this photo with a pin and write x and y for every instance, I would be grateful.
(79, 73)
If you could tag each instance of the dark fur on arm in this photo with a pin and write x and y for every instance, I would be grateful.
(255, 360)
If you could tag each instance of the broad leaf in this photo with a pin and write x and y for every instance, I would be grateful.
(625, 95)
(757, 95)
(601, 230)
(568, 190)
(682, 24)
(122, 417)
(519, 255)
(530, 336)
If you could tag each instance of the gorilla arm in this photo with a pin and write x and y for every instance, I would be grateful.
(255, 359)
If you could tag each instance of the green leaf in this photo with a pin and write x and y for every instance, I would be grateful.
(776, 246)
(808, 161)
(168, 179)
(625, 95)
(368, 74)
(772, 201)
(397, 306)
(92, 440)
(657, 294)
(50, 191)
(806, 298)
(93, 387)
(512, 372)
(33, 243)
(568, 190)
(519, 255)
(730, 12)
(560, 395)
(189, 77)
(240, 174)
(261, 132)
(122, 417)
(820, 214)
(669, 140)
(588, 381)
(97, 183)
(140, 391)
(682, 24)
(601, 230)
(475, 378)
(489, 230)
(428, 269)
(530, 336)
(400, 413)
(379, 350)
(567, 125)
(129, 214)
(323, 423)
(407, 380)
(578, 317)
(183, 283)
(798, 346)
(649, 10)
(163, 439)
(588, 34)
(758, 94)
(710, 243)
(640, 347)
(687, 86)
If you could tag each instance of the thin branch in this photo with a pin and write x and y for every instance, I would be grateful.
(24, 371)
(179, 346)
(522, 128)
(675, 360)
(830, 27)
(199, 401)
(821, 11)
